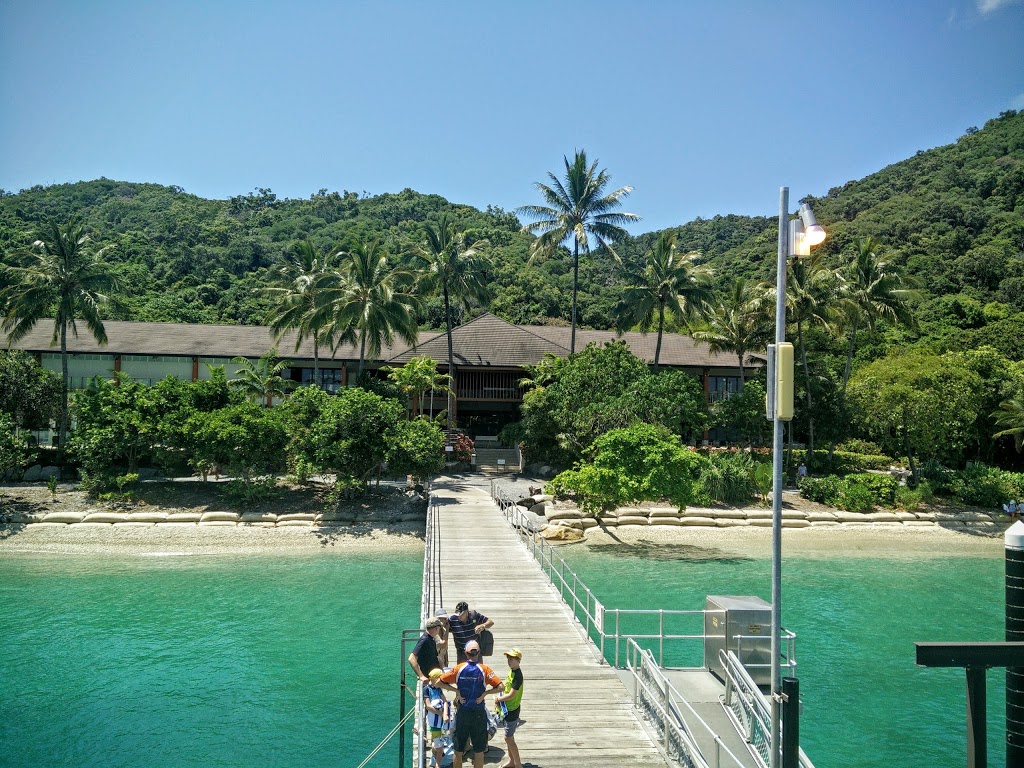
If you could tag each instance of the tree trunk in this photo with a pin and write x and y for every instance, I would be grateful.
(575, 282)
(849, 356)
(451, 358)
(362, 353)
(739, 357)
(62, 430)
(661, 327)
(908, 450)
(807, 392)
(316, 359)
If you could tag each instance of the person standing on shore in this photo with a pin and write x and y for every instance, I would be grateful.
(470, 680)
(424, 654)
(510, 700)
(466, 625)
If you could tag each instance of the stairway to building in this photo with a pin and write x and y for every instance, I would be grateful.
(497, 460)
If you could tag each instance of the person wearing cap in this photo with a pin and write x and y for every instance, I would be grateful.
(424, 654)
(438, 713)
(470, 680)
(466, 625)
(442, 637)
(509, 701)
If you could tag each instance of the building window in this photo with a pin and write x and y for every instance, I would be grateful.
(722, 387)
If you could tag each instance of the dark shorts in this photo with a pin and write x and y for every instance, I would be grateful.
(471, 726)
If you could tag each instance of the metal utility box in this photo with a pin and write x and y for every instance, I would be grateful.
(742, 625)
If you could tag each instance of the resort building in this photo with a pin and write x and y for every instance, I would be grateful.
(489, 359)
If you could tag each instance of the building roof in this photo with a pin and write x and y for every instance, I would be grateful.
(486, 341)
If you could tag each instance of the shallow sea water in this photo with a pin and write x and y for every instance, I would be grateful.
(865, 702)
(202, 660)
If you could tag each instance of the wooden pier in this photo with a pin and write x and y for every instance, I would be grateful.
(577, 712)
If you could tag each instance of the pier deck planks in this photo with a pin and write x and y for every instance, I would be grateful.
(576, 709)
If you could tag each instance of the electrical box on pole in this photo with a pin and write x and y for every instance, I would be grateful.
(769, 396)
(784, 380)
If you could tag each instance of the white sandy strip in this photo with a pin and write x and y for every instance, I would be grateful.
(180, 540)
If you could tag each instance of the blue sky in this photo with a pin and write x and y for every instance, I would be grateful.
(703, 107)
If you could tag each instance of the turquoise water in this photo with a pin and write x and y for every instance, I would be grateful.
(865, 701)
(273, 661)
(202, 661)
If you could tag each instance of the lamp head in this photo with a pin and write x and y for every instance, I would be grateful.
(813, 233)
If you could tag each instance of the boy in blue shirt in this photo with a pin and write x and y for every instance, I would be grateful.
(438, 715)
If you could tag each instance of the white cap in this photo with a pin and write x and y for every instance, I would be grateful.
(1014, 536)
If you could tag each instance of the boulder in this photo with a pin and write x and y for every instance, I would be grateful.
(47, 472)
(539, 498)
(546, 472)
(543, 508)
(561, 533)
(149, 473)
(526, 501)
(533, 522)
(32, 473)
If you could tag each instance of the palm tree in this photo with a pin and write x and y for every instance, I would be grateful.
(61, 274)
(811, 295)
(669, 280)
(416, 378)
(262, 381)
(737, 323)
(873, 290)
(446, 263)
(1010, 416)
(576, 210)
(298, 293)
(368, 300)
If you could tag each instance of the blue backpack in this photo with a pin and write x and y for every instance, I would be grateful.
(471, 684)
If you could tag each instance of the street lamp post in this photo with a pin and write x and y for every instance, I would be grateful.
(795, 238)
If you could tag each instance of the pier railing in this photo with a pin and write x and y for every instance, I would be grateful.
(671, 716)
(668, 712)
(675, 637)
(749, 709)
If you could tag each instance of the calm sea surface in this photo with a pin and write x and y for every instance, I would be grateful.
(202, 661)
(292, 661)
(865, 702)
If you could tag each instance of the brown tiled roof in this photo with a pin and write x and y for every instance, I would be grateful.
(485, 341)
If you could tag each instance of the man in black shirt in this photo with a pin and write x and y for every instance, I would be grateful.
(424, 655)
(466, 625)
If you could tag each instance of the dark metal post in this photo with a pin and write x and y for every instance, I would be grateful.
(977, 736)
(790, 722)
(401, 706)
(1014, 542)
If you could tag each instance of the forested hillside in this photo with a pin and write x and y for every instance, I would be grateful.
(953, 217)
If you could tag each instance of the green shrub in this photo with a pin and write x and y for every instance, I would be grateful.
(912, 498)
(823, 490)
(855, 497)
(728, 478)
(881, 487)
(843, 462)
(982, 486)
(856, 445)
(638, 463)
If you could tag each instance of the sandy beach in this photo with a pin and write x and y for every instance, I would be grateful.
(384, 535)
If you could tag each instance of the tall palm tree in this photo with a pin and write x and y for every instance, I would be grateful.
(669, 280)
(576, 209)
(262, 381)
(737, 323)
(298, 293)
(873, 290)
(446, 263)
(64, 275)
(1010, 416)
(370, 299)
(812, 294)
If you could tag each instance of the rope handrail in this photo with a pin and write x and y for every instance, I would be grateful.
(391, 733)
